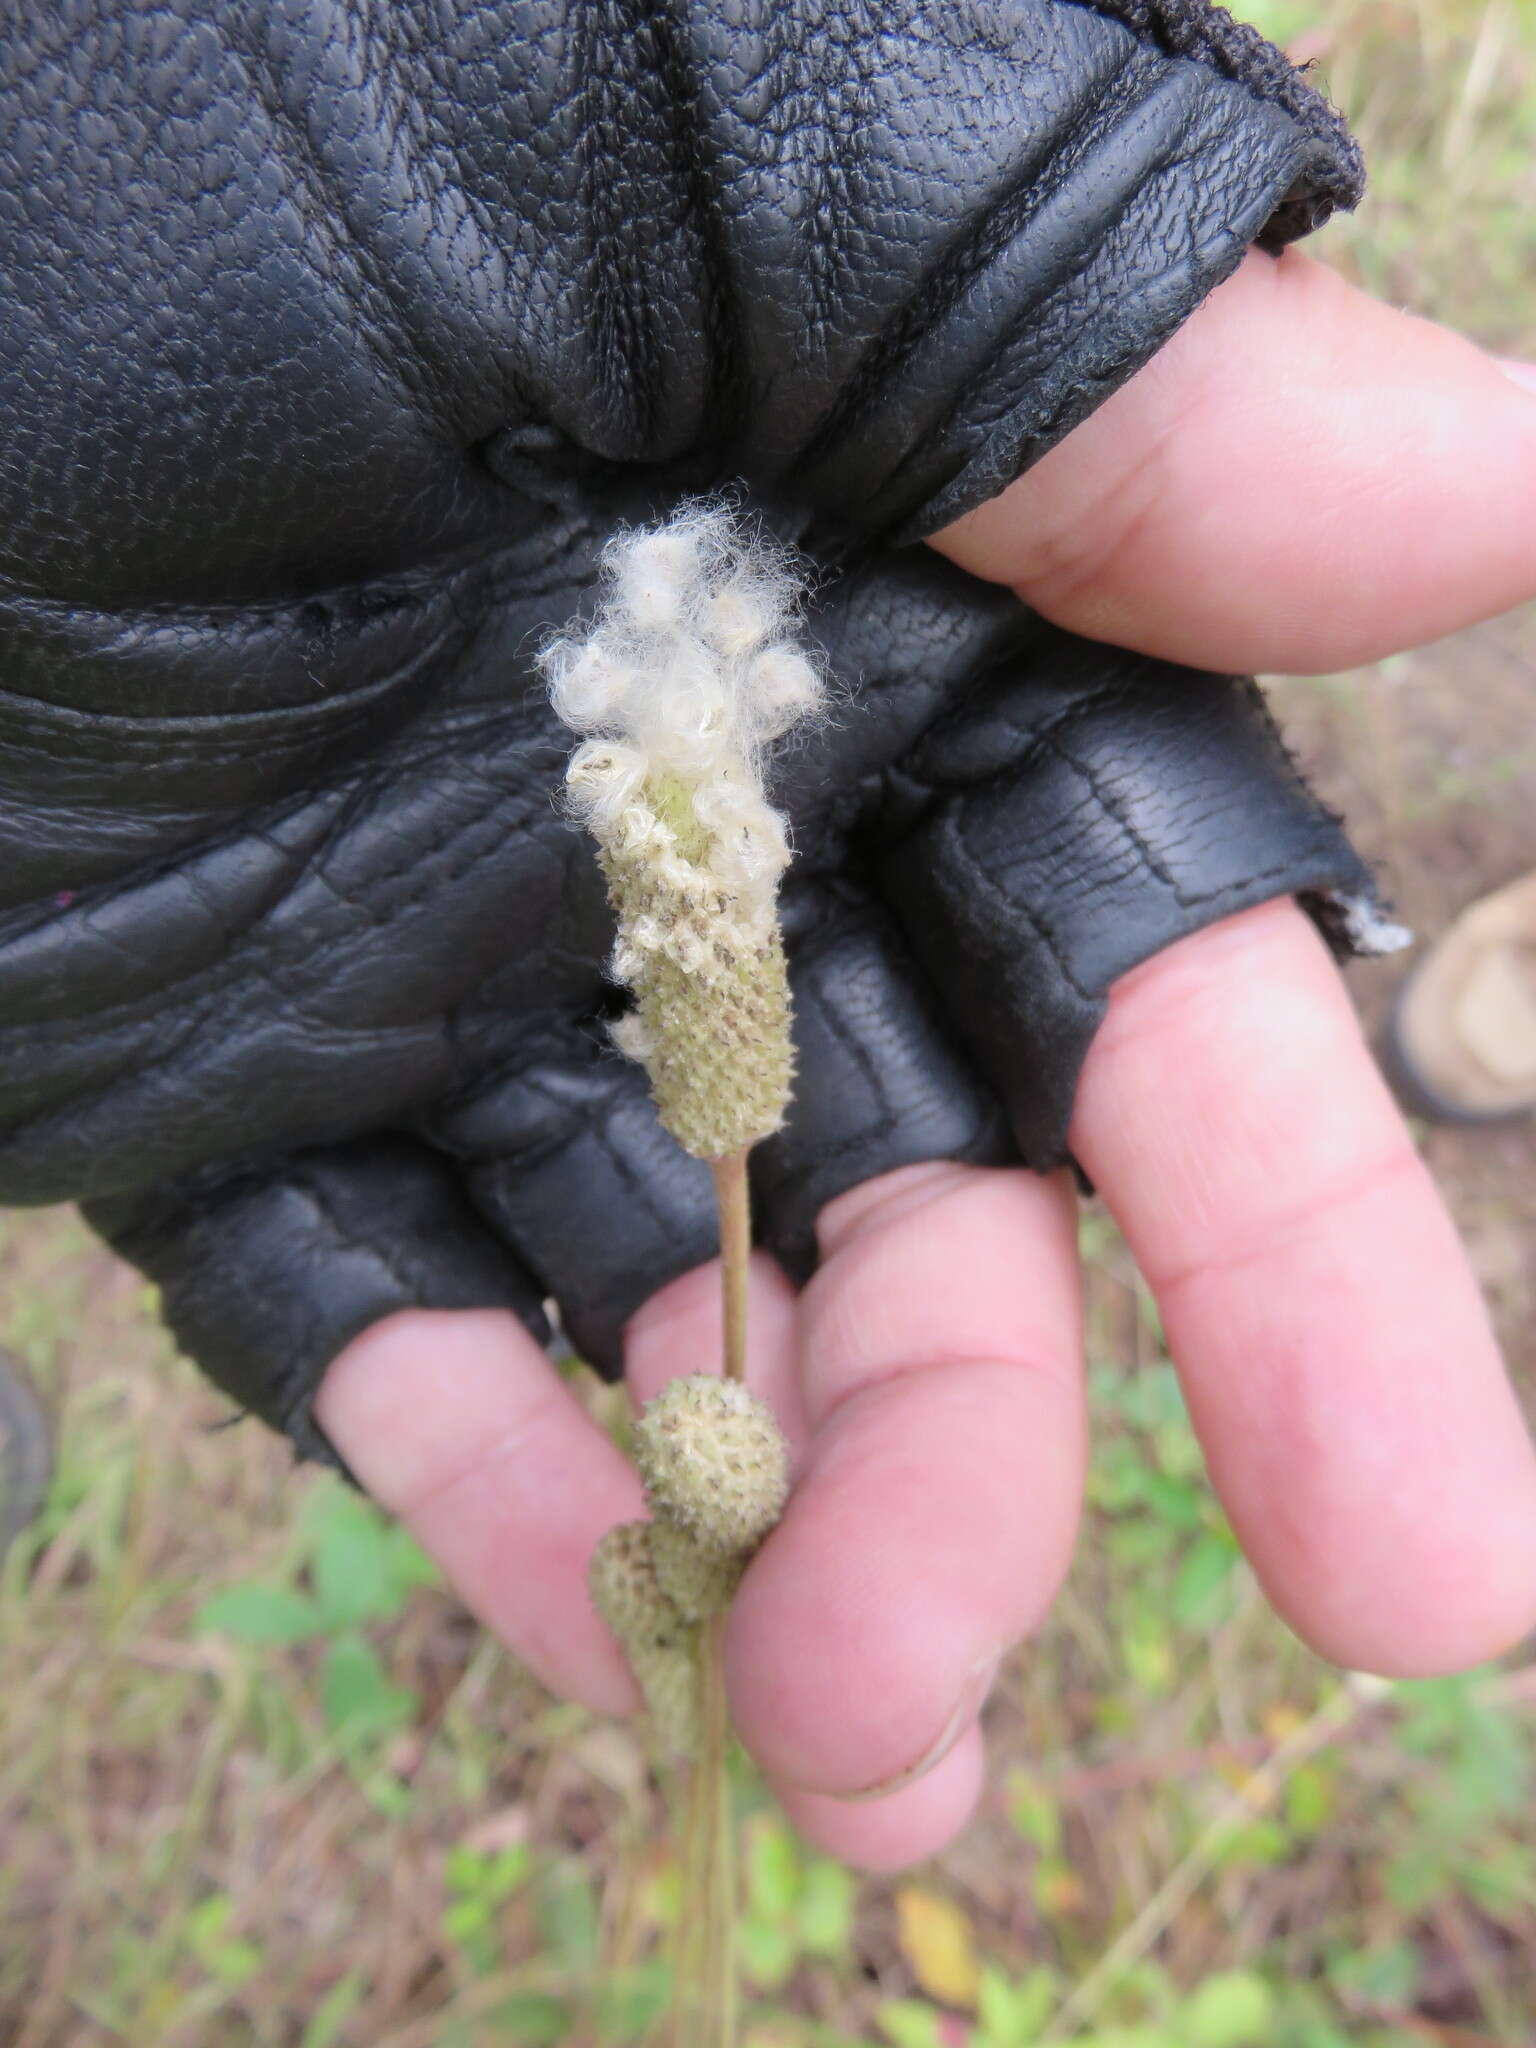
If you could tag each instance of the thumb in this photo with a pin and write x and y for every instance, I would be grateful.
(1303, 479)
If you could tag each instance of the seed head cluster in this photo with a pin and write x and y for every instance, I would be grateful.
(687, 673)
(713, 1462)
(716, 1472)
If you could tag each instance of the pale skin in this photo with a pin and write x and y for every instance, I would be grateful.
(1302, 480)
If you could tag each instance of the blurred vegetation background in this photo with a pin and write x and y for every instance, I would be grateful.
(263, 1782)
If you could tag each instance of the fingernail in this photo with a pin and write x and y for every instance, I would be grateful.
(977, 1685)
(1518, 373)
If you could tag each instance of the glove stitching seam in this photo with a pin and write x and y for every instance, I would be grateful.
(1033, 739)
(966, 855)
(591, 1123)
(864, 1060)
(1185, 899)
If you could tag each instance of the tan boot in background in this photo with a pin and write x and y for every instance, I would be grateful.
(1461, 1043)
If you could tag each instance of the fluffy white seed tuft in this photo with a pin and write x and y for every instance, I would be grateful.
(685, 674)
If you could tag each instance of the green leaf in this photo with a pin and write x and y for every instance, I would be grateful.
(773, 1865)
(1035, 1814)
(1012, 2015)
(230, 1960)
(1233, 2010)
(533, 2019)
(908, 2023)
(508, 1870)
(408, 1561)
(1141, 1543)
(235, 1962)
(568, 1920)
(1200, 1584)
(1262, 1841)
(464, 1869)
(360, 1702)
(465, 1918)
(769, 1952)
(207, 1920)
(1308, 1800)
(254, 1613)
(1177, 1450)
(354, 1565)
(1501, 1878)
(1380, 1976)
(1035, 2000)
(384, 1792)
(632, 2002)
(825, 1911)
(1418, 1875)
(333, 2012)
(995, 2010)
(1127, 2037)
(1148, 1651)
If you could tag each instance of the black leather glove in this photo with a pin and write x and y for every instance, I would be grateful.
(337, 338)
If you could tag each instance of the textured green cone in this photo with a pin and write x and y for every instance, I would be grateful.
(661, 1645)
(699, 1582)
(625, 1590)
(714, 1462)
(671, 1681)
(718, 1052)
(711, 1021)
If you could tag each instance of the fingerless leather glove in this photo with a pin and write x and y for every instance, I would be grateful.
(337, 337)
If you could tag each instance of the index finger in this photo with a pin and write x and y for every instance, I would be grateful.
(1303, 479)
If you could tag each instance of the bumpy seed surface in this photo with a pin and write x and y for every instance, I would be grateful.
(714, 1462)
(698, 1581)
(626, 1591)
(661, 1645)
(670, 1679)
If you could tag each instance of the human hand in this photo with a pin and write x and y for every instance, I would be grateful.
(1302, 479)
(338, 348)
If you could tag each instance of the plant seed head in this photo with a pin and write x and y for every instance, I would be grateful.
(697, 1580)
(714, 1462)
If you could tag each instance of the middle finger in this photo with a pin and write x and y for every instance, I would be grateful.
(936, 1504)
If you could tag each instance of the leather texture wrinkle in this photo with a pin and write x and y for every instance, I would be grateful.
(1086, 143)
(1190, 28)
(362, 118)
(336, 339)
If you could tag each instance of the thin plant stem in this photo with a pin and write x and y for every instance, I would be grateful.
(720, 1885)
(733, 1197)
(690, 1966)
(706, 2014)
(705, 2006)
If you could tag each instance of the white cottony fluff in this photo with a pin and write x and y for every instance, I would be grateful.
(685, 673)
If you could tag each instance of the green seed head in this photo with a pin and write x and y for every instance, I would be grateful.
(661, 1645)
(714, 1463)
(671, 1680)
(626, 1592)
(699, 1582)
(711, 1022)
